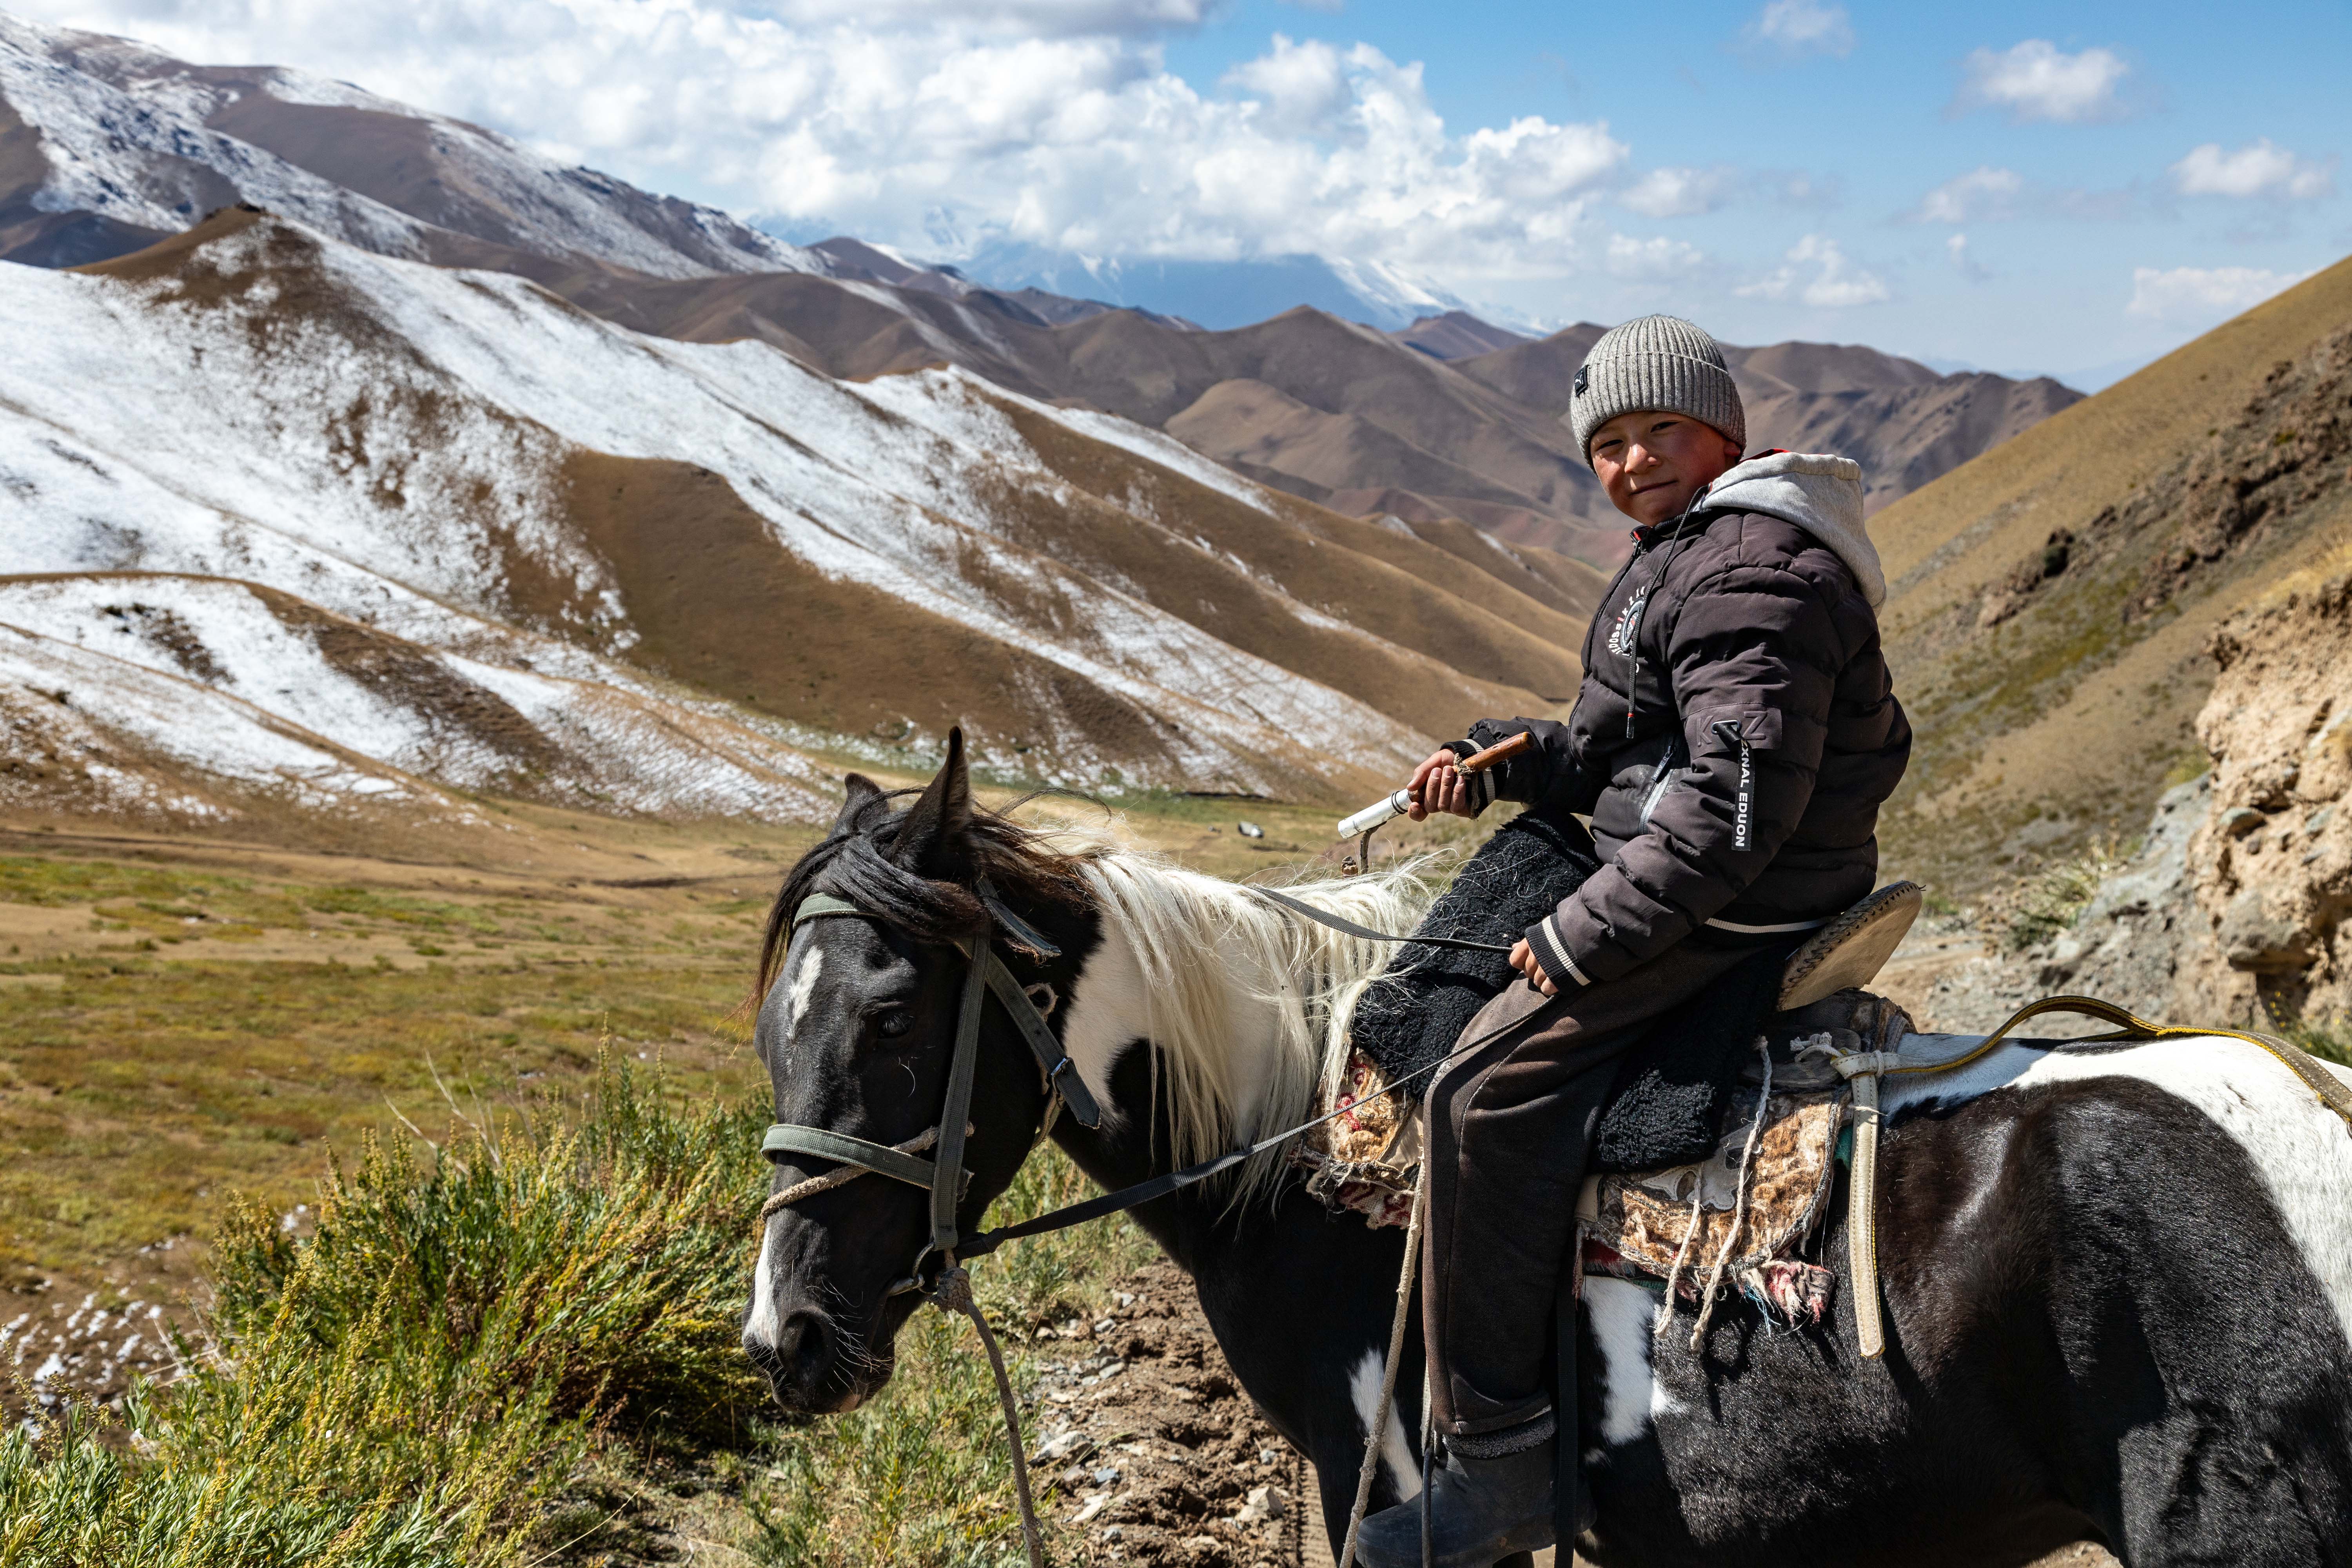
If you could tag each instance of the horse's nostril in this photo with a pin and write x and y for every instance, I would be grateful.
(805, 1348)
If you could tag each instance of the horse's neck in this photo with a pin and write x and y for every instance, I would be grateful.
(1109, 1035)
(1113, 1019)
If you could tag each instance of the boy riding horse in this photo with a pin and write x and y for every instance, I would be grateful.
(1734, 737)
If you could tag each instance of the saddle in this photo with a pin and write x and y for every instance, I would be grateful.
(1743, 1214)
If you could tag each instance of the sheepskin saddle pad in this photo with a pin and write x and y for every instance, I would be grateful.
(1749, 1215)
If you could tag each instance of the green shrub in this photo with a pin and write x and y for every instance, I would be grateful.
(2056, 899)
(422, 1382)
(411, 1385)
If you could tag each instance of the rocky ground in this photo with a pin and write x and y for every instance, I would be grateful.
(1150, 1443)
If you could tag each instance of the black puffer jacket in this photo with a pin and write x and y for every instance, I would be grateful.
(1736, 730)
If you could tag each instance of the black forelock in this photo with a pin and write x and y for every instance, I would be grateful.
(856, 862)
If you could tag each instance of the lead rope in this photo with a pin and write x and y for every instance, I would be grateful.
(1380, 1424)
(954, 1295)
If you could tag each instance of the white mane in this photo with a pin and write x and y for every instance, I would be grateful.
(1247, 1002)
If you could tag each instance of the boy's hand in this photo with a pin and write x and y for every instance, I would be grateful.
(1438, 786)
(1523, 959)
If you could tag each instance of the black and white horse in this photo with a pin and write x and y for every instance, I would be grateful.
(2118, 1279)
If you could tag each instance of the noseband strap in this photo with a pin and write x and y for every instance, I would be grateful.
(826, 1144)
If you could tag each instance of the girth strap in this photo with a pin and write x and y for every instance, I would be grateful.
(784, 1137)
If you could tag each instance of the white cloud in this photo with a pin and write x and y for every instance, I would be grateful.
(940, 125)
(1061, 19)
(2261, 168)
(1956, 247)
(2037, 80)
(2202, 296)
(1817, 273)
(1681, 192)
(1302, 86)
(1803, 28)
(1982, 192)
(1653, 259)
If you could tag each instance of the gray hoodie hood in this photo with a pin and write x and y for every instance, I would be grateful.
(1819, 493)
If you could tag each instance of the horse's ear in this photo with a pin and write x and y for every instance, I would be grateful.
(858, 793)
(931, 839)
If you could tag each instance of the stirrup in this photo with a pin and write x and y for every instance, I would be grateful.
(1852, 949)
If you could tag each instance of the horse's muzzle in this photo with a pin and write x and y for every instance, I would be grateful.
(805, 1363)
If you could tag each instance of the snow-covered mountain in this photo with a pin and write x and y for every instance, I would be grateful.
(107, 146)
(281, 513)
(1219, 295)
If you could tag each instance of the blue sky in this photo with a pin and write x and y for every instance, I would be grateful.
(2060, 188)
(1872, 117)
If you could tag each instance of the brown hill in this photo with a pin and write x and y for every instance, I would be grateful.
(1457, 335)
(2053, 601)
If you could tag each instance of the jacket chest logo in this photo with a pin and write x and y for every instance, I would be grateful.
(1621, 636)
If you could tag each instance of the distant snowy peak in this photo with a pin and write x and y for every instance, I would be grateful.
(1218, 295)
(111, 144)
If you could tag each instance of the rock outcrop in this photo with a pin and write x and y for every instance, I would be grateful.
(2233, 910)
(2270, 868)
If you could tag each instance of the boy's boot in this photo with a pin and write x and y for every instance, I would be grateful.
(1480, 1512)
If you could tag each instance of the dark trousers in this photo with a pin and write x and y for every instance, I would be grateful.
(1508, 1126)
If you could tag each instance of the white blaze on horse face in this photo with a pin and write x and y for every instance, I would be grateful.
(1364, 1391)
(760, 1328)
(801, 986)
(1621, 1314)
(2300, 1149)
(762, 1325)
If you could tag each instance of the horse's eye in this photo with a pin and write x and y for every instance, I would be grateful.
(895, 1023)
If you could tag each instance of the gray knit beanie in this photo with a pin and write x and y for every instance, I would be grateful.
(1655, 361)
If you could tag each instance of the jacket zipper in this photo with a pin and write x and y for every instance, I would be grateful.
(1661, 780)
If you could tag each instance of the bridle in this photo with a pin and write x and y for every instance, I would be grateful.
(944, 1177)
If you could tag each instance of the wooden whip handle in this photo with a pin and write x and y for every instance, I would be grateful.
(1503, 751)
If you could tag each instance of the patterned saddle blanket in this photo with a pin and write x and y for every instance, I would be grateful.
(1749, 1218)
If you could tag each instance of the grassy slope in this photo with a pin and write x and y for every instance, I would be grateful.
(161, 1078)
(2062, 721)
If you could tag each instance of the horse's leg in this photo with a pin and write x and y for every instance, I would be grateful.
(2194, 1491)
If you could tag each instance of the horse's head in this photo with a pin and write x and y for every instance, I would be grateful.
(857, 1026)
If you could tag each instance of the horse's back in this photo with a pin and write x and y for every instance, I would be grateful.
(2144, 1251)
(2118, 1281)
